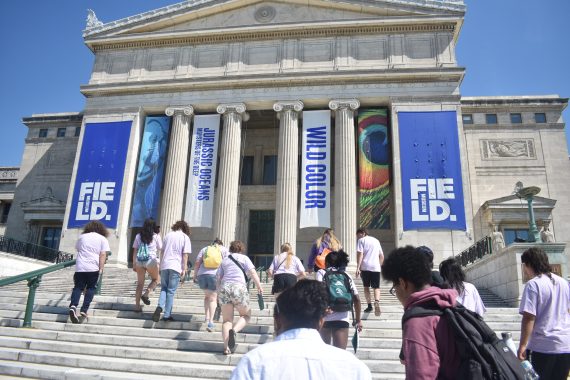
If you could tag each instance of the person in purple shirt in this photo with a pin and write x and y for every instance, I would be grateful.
(328, 240)
(232, 292)
(92, 247)
(173, 267)
(545, 326)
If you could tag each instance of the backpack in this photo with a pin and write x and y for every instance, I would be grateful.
(338, 287)
(483, 355)
(320, 259)
(142, 252)
(212, 257)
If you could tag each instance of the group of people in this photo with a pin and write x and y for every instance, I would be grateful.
(310, 335)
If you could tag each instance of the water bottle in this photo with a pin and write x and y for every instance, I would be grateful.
(529, 372)
(508, 340)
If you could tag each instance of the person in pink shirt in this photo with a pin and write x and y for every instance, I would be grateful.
(146, 248)
(92, 247)
(428, 343)
(545, 325)
(232, 292)
(173, 267)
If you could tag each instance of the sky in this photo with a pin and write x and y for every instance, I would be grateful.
(508, 47)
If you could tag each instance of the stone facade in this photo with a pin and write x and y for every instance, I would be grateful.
(210, 56)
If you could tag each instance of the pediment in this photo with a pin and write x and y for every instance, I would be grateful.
(208, 15)
(47, 203)
(512, 201)
(512, 209)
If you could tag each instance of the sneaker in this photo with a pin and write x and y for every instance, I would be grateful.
(83, 317)
(145, 299)
(168, 319)
(210, 327)
(156, 315)
(368, 309)
(232, 340)
(377, 311)
(73, 315)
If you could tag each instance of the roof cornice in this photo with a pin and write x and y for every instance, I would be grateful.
(173, 10)
(283, 80)
(272, 32)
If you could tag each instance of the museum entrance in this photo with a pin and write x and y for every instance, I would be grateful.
(261, 237)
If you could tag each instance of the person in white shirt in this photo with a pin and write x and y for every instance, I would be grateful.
(468, 296)
(369, 259)
(146, 248)
(92, 247)
(286, 269)
(298, 352)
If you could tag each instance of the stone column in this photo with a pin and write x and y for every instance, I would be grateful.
(175, 173)
(345, 223)
(225, 212)
(287, 173)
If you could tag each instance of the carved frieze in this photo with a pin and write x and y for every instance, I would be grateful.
(508, 149)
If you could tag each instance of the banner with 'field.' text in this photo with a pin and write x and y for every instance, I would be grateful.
(432, 188)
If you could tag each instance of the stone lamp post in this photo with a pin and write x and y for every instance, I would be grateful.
(528, 193)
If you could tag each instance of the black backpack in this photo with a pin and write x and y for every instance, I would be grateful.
(340, 292)
(483, 355)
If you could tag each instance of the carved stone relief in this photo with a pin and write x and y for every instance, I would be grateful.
(507, 148)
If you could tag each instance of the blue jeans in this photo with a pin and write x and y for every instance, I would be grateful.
(169, 280)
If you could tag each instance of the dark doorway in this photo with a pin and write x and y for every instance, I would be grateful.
(261, 237)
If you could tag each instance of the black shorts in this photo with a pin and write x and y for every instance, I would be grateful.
(282, 282)
(336, 325)
(370, 279)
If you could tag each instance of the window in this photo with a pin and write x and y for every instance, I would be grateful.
(269, 170)
(5, 212)
(515, 235)
(77, 131)
(516, 118)
(491, 118)
(467, 119)
(50, 237)
(247, 170)
(43, 133)
(540, 117)
(61, 132)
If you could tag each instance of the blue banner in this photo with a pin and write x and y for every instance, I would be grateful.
(150, 172)
(432, 188)
(99, 178)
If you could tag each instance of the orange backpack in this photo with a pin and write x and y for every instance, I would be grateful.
(320, 259)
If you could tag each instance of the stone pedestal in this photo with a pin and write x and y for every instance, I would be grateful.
(287, 173)
(175, 174)
(345, 223)
(225, 212)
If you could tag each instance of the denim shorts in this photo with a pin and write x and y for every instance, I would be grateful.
(150, 263)
(207, 282)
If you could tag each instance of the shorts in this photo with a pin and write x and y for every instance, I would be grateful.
(336, 325)
(282, 282)
(207, 282)
(370, 279)
(150, 263)
(235, 294)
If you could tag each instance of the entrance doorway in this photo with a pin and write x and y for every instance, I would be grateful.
(50, 237)
(261, 236)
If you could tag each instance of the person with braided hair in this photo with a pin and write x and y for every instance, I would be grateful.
(545, 325)
(298, 352)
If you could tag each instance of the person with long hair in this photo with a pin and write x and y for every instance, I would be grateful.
(286, 269)
(452, 273)
(146, 248)
(337, 323)
(92, 247)
(177, 248)
(205, 276)
(545, 325)
(232, 278)
(329, 241)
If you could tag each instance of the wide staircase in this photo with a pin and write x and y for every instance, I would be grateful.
(119, 343)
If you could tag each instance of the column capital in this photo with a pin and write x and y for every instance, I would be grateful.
(295, 105)
(336, 104)
(186, 110)
(231, 107)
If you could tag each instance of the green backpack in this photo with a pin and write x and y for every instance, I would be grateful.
(340, 293)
